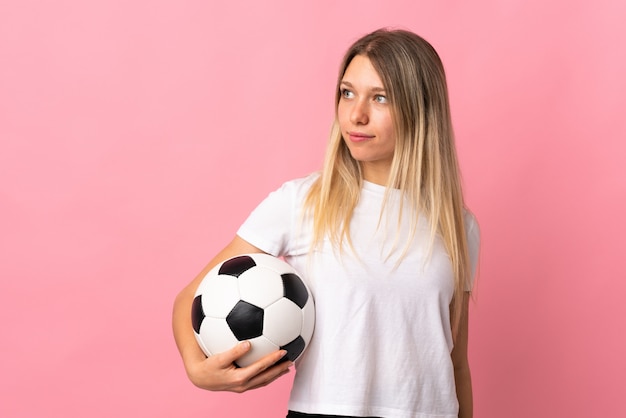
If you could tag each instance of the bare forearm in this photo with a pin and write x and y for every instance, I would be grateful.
(464, 392)
(462, 375)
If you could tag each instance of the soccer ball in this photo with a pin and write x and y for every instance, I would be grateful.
(255, 297)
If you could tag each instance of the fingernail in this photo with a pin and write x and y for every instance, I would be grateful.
(245, 344)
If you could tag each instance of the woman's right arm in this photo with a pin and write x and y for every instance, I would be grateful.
(218, 372)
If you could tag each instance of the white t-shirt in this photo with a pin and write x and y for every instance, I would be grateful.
(382, 339)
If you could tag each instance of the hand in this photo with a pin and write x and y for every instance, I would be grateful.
(219, 373)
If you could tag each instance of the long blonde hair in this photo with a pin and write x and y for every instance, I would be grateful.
(424, 167)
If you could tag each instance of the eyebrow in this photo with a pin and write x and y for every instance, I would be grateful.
(373, 89)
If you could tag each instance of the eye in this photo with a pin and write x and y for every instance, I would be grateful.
(347, 94)
(379, 98)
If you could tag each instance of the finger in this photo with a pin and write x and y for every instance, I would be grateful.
(270, 361)
(228, 357)
(261, 372)
(269, 374)
(262, 380)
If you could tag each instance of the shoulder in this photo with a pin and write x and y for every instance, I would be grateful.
(298, 187)
(289, 193)
(302, 182)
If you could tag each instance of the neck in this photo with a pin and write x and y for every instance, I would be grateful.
(375, 173)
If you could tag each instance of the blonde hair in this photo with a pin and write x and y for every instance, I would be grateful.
(424, 167)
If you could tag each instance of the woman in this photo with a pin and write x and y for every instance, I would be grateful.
(385, 242)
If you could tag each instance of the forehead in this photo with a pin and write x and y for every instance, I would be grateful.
(361, 73)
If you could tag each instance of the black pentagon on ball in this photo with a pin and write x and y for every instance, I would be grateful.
(294, 349)
(197, 313)
(245, 321)
(236, 266)
(294, 289)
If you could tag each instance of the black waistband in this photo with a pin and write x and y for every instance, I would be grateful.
(294, 414)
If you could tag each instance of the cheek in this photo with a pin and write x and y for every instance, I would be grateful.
(342, 115)
(389, 130)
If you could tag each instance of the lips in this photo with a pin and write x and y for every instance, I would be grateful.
(359, 136)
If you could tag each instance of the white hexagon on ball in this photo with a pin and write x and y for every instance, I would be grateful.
(282, 322)
(215, 336)
(219, 295)
(260, 286)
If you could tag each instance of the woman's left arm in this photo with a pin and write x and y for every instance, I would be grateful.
(462, 374)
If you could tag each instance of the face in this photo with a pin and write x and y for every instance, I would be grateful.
(365, 120)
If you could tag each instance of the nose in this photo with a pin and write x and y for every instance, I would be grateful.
(360, 113)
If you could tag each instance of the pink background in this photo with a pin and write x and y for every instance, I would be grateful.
(136, 136)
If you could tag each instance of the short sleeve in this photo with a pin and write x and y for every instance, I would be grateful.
(271, 225)
(473, 243)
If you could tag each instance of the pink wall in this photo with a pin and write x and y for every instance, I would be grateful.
(136, 136)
